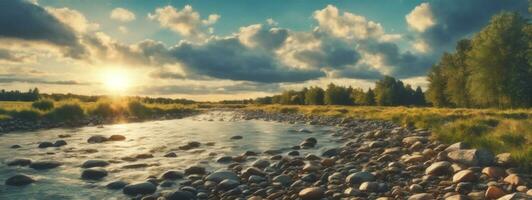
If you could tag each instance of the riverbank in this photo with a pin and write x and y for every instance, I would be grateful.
(22, 116)
(499, 131)
(372, 159)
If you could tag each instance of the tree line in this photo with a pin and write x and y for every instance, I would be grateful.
(16, 95)
(493, 69)
(387, 92)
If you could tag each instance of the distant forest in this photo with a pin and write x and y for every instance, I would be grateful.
(34, 95)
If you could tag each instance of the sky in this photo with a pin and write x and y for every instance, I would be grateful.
(235, 49)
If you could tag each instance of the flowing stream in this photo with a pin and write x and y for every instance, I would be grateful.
(153, 137)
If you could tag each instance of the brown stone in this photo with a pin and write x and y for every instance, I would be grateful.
(421, 196)
(493, 192)
(464, 176)
(311, 193)
(327, 162)
(494, 172)
(514, 179)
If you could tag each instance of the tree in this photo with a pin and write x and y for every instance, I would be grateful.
(358, 96)
(500, 63)
(336, 95)
(437, 84)
(314, 96)
(419, 97)
(370, 98)
(457, 73)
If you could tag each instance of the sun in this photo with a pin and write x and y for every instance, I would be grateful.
(116, 80)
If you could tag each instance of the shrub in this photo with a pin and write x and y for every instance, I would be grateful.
(26, 115)
(43, 105)
(67, 113)
(139, 110)
(108, 110)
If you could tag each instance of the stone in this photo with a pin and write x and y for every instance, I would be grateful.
(359, 177)
(224, 159)
(60, 143)
(330, 152)
(227, 184)
(328, 162)
(117, 138)
(221, 175)
(94, 163)
(261, 163)
(195, 170)
(19, 180)
(167, 184)
(93, 174)
(116, 185)
(311, 193)
(494, 172)
(471, 157)
(237, 137)
(180, 195)
(43, 145)
(170, 155)
(96, 139)
(172, 175)
(252, 171)
(309, 143)
(416, 188)
(369, 186)
(457, 197)
(504, 159)
(19, 162)
(256, 179)
(439, 168)
(413, 139)
(285, 180)
(493, 192)
(304, 130)
(421, 196)
(464, 176)
(464, 187)
(15, 146)
(144, 156)
(456, 146)
(521, 188)
(43, 165)
(515, 196)
(514, 179)
(142, 188)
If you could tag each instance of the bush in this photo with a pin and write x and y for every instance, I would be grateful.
(43, 105)
(108, 110)
(26, 115)
(67, 113)
(139, 110)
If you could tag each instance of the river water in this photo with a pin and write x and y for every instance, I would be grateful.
(153, 137)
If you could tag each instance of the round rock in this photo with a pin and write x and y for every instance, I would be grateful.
(19, 180)
(142, 188)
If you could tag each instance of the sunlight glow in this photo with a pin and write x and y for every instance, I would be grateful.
(116, 80)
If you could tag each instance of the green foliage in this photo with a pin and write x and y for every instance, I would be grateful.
(43, 105)
(337, 95)
(25, 115)
(139, 110)
(391, 92)
(67, 113)
(314, 96)
(491, 70)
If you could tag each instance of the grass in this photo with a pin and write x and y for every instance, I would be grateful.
(499, 131)
(73, 110)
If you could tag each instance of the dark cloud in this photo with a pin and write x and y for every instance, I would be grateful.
(270, 38)
(9, 56)
(26, 21)
(456, 19)
(9, 79)
(360, 71)
(227, 58)
(403, 64)
(206, 89)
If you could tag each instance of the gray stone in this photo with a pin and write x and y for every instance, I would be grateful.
(96, 139)
(359, 177)
(43, 165)
(142, 188)
(221, 175)
(94, 163)
(19, 180)
(439, 168)
(471, 157)
(19, 162)
(116, 185)
(93, 174)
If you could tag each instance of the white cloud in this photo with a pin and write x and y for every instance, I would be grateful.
(212, 19)
(271, 22)
(73, 18)
(122, 14)
(347, 25)
(421, 46)
(186, 21)
(421, 18)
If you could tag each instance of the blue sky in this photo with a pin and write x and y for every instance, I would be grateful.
(213, 50)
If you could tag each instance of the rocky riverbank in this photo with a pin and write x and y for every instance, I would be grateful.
(14, 125)
(378, 160)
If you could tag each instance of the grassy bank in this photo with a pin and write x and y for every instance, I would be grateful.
(497, 130)
(117, 110)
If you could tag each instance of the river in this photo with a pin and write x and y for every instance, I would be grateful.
(153, 137)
